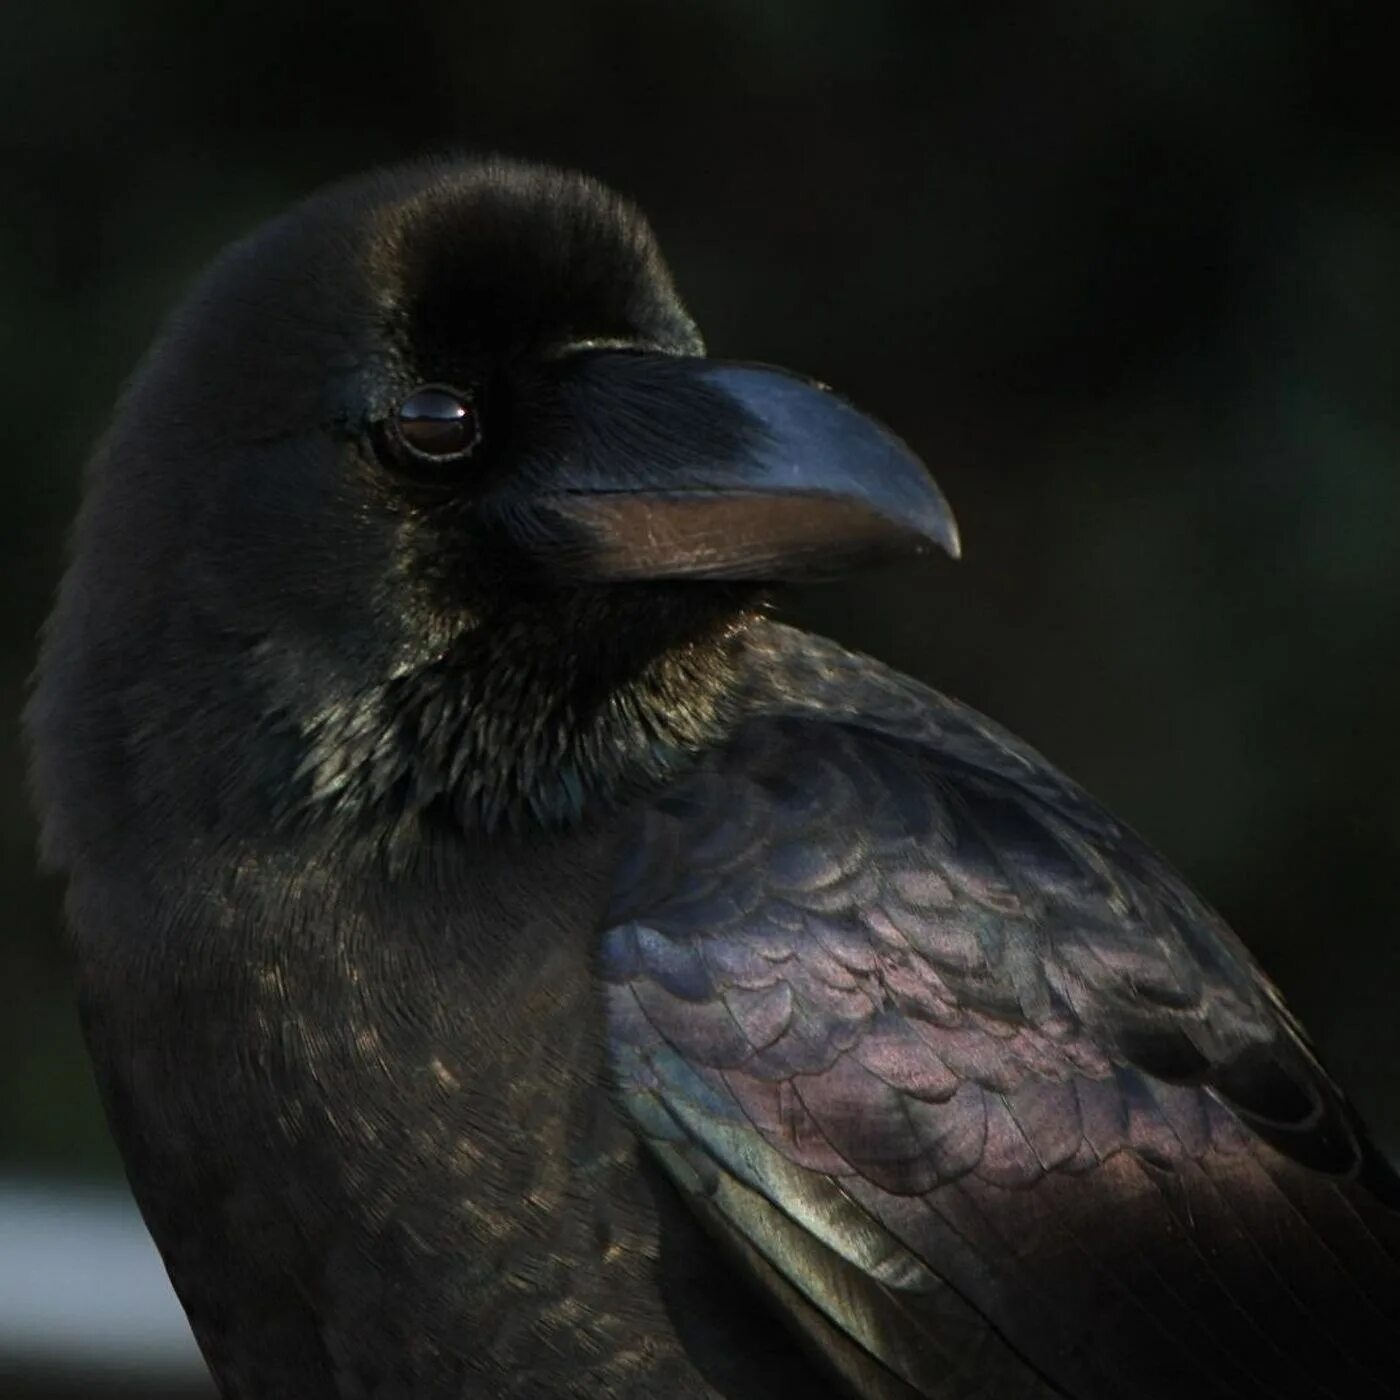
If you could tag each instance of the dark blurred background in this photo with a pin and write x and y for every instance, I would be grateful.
(1127, 275)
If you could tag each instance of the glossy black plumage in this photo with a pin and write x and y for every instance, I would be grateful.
(898, 1003)
(516, 967)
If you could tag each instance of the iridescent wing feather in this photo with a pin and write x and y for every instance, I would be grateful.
(984, 1096)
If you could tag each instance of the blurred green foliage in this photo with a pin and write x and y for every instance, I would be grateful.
(1127, 275)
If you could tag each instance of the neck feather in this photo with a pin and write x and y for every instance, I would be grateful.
(520, 725)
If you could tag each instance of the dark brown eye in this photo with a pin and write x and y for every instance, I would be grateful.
(436, 424)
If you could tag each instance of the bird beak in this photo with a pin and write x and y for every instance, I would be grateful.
(675, 467)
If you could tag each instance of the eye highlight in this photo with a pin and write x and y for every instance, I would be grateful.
(435, 425)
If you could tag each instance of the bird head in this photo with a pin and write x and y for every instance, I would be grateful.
(428, 499)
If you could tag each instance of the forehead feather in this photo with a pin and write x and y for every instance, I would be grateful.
(327, 309)
(514, 257)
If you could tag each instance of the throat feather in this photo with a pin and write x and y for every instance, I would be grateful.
(502, 732)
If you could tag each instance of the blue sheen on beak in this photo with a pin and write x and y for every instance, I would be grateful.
(683, 467)
(818, 443)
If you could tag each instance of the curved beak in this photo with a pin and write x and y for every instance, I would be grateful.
(677, 467)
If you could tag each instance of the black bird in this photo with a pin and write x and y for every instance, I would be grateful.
(515, 966)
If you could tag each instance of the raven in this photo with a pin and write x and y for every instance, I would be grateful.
(515, 965)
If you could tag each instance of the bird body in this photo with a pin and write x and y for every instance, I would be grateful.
(515, 966)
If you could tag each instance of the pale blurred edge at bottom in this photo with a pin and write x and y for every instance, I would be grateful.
(85, 1307)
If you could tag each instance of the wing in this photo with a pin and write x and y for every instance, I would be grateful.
(989, 1101)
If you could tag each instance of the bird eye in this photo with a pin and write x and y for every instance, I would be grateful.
(436, 424)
